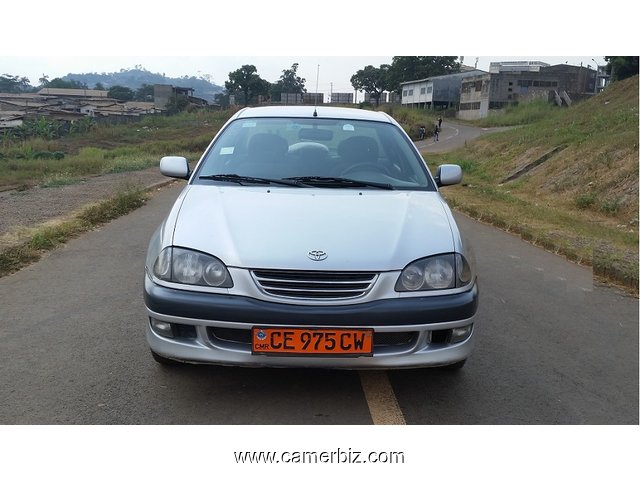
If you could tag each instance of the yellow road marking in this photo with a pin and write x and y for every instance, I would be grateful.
(382, 402)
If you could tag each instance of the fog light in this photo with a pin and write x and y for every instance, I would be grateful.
(161, 328)
(461, 333)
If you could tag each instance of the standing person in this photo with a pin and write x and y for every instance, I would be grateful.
(436, 131)
(423, 132)
(440, 122)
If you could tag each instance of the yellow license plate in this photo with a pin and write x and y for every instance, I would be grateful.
(311, 341)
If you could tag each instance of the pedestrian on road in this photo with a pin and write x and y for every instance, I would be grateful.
(436, 131)
(423, 132)
(440, 122)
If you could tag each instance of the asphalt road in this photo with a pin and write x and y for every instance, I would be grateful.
(454, 135)
(553, 348)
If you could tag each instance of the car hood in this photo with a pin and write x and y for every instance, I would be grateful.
(273, 227)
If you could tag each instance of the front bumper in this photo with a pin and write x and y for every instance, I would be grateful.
(411, 332)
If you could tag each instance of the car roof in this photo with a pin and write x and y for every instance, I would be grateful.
(307, 111)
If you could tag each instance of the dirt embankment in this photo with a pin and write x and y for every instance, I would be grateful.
(37, 206)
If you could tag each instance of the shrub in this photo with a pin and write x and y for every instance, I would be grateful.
(585, 200)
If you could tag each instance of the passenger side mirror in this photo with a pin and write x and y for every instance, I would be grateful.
(175, 167)
(448, 175)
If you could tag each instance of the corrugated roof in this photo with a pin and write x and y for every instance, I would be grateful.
(144, 105)
(27, 96)
(23, 102)
(468, 73)
(73, 92)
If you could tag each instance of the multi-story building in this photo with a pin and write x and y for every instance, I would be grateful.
(474, 97)
(510, 83)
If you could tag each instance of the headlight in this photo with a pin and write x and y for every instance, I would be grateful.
(435, 273)
(192, 268)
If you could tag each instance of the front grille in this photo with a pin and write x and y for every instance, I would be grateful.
(314, 285)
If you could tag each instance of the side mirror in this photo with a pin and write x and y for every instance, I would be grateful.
(448, 175)
(175, 167)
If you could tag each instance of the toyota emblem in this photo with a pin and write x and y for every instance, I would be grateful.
(317, 255)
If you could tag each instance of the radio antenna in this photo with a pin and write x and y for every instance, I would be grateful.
(315, 106)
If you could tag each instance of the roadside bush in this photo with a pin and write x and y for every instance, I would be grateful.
(40, 155)
(82, 125)
(586, 200)
(610, 206)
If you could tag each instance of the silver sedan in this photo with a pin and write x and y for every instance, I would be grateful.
(310, 237)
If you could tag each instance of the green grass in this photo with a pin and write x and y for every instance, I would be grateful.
(61, 180)
(524, 114)
(107, 148)
(412, 119)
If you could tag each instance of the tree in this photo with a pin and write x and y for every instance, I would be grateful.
(124, 94)
(99, 86)
(222, 99)
(177, 104)
(621, 67)
(289, 82)
(44, 80)
(246, 81)
(60, 83)
(14, 84)
(144, 93)
(372, 80)
(404, 69)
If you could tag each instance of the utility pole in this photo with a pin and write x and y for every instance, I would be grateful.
(331, 93)
(595, 88)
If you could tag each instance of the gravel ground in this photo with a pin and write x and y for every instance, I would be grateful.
(38, 205)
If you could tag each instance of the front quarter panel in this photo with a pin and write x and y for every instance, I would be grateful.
(163, 236)
(461, 245)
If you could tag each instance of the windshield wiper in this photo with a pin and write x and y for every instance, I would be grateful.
(339, 182)
(241, 179)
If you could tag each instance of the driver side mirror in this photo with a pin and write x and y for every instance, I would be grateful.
(448, 175)
(175, 167)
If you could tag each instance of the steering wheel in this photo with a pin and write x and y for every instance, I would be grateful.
(365, 166)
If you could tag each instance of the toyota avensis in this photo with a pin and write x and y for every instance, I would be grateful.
(310, 237)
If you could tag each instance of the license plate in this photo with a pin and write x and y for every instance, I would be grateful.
(311, 341)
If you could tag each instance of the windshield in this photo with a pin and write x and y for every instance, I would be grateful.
(315, 152)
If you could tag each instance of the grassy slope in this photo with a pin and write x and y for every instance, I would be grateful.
(583, 200)
(108, 148)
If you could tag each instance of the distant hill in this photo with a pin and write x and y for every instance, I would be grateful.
(136, 77)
